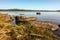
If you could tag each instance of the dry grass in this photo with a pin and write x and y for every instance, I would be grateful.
(24, 31)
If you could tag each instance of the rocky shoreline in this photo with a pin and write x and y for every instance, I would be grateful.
(46, 24)
(26, 28)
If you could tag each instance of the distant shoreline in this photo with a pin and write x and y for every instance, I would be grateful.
(29, 10)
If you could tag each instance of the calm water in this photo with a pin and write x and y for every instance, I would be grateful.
(44, 16)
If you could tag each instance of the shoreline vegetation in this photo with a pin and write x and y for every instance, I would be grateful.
(26, 28)
(29, 10)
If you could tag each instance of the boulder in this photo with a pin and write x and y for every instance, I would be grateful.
(25, 18)
(46, 24)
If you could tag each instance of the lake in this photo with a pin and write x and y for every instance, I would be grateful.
(44, 16)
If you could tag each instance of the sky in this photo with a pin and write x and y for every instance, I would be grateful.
(30, 4)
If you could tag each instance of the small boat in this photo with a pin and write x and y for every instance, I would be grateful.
(38, 13)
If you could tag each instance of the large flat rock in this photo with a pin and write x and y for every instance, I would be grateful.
(25, 18)
(46, 24)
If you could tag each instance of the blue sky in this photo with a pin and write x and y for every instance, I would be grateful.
(30, 4)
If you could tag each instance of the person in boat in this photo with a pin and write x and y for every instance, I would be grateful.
(38, 13)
